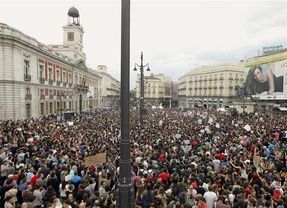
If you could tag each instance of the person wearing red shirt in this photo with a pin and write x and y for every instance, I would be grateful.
(164, 176)
(220, 156)
(34, 179)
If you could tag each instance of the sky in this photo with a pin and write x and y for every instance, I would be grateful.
(175, 36)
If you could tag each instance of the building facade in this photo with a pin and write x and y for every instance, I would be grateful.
(210, 85)
(37, 80)
(157, 89)
(110, 89)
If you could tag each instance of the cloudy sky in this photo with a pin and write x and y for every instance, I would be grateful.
(175, 35)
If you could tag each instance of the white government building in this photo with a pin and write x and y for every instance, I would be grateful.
(157, 88)
(209, 86)
(110, 89)
(36, 79)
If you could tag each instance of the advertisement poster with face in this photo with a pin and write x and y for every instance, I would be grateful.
(267, 79)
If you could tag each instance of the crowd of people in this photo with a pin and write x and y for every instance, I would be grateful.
(179, 158)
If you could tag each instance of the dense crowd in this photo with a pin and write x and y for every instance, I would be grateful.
(180, 159)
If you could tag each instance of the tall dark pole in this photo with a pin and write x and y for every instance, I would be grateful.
(125, 192)
(141, 66)
(142, 92)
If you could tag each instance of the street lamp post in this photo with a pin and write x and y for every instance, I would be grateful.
(141, 68)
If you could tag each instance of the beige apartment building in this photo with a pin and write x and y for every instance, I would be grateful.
(209, 86)
(37, 79)
(157, 88)
(110, 88)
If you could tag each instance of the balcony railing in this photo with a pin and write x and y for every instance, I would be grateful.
(221, 78)
(41, 80)
(230, 78)
(51, 97)
(28, 97)
(27, 77)
(42, 97)
(51, 81)
(58, 83)
(64, 84)
(70, 84)
(59, 97)
(81, 87)
(221, 87)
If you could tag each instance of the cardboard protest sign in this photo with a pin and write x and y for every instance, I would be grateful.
(95, 159)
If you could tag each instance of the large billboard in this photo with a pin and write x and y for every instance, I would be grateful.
(267, 81)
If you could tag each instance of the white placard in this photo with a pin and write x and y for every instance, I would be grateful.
(247, 127)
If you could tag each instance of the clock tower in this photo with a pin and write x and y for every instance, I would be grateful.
(73, 36)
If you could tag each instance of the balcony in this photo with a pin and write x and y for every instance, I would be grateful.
(64, 84)
(28, 97)
(42, 97)
(58, 83)
(27, 77)
(221, 87)
(230, 78)
(215, 87)
(71, 96)
(41, 80)
(70, 84)
(51, 97)
(209, 87)
(221, 78)
(210, 79)
(81, 87)
(59, 97)
(51, 82)
(230, 87)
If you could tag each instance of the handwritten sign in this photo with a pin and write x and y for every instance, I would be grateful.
(95, 159)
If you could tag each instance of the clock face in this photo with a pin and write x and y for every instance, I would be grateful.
(70, 36)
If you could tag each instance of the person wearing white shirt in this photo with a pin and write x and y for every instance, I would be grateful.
(210, 196)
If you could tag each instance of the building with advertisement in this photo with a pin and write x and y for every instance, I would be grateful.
(266, 78)
(157, 89)
(36, 79)
(110, 89)
(209, 86)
